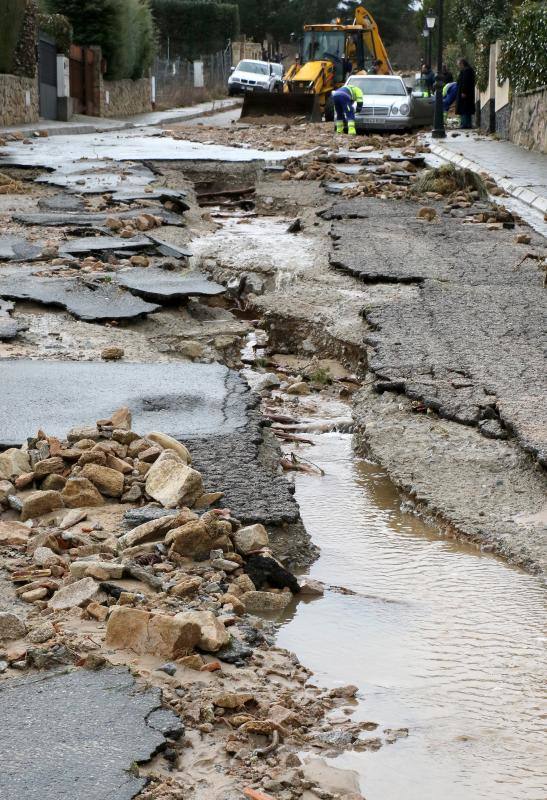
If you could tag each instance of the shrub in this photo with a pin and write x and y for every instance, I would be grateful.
(194, 27)
(123, 29)
(12, 13)
(523, 58)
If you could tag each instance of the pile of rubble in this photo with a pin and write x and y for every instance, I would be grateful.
(170, 588)
(264, 135)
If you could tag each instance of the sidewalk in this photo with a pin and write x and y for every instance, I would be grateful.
(84, 124)
(522, 173)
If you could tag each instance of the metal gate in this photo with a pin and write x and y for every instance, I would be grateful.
(82, 79)
(47, 76)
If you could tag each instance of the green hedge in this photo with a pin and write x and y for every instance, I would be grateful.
(194, 27)
(523, 58)
(124, 30)
(12, 14)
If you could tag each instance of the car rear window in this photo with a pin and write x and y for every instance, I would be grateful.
(370, 85)
(252, 66)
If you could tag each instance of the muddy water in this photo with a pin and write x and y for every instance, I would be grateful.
(440, 639)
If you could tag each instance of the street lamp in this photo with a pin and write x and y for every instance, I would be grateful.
(427, 46)
(430, 20)
(438, 122)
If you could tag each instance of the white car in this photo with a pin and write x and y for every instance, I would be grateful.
(390, 105)
(252, 76)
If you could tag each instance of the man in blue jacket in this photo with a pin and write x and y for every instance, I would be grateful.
(344, 100)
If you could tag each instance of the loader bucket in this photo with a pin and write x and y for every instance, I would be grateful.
(282, 104)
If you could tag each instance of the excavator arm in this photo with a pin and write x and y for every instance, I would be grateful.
(372, 39)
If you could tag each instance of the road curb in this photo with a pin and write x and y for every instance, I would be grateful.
(121, 125)
(521, 193)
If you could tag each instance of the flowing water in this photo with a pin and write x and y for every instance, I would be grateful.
(440, 638)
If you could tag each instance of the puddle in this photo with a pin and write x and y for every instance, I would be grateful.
(440, 639)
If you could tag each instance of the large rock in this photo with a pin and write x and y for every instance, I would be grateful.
(75, 594)
(13, 533)
(258, 602)
(80, 492)
(172, 483)
(144, 633)
(11, 626)
(38, 503)
(168, 443)
(13, 462)
(212, 633)
(108, 481)
(253, 537)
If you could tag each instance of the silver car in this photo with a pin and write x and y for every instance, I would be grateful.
(389, 105)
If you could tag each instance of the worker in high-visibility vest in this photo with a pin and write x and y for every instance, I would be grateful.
(344, 100)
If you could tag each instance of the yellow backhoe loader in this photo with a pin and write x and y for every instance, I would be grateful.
(328, 53)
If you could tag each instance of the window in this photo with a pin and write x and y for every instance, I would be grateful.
(379, 85)
(253, 66)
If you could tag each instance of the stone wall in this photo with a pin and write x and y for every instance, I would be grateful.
(528, 126)
(16, 106)
(125, 98)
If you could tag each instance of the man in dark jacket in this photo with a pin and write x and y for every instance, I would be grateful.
(465, 98)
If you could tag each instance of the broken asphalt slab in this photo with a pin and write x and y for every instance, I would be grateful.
(14, 248)
(9, 328)
(207, 406)
(100, 244)
(79, 152)
(76, 735)
(98, 303)
(159, 285)
(83, 219)
(179, 399)
(466, 341)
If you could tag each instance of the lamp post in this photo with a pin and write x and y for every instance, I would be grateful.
(438, 120)
(427, 46)
(430, 20)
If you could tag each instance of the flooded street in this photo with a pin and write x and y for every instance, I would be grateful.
(440, 638)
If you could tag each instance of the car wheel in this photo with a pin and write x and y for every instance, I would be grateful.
(329, 110)
(231, 92)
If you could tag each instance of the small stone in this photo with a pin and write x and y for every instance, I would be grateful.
(187, 586)
(80, 492)
(72, 518)
(212, 633)
(208, 499)
(97, 611)
(112, 353)
(427, 213)
(344, 691)
(100, 570)
(54, 483)
(299, 388)
(225, 565)
(13, 533)
(11, 626)
(252, 537)
(172, 483)
(169, 668)
(13, 462)
(45, 557)
(38, 503)
(6, 488)
(523, 238)
(191, 662)
(24, 480)
(34, 594)
(140, 261)
(42, 633)
(258, 602)
(108, 481)
(311, 588)
(75, 594)
(133, 494)
(169, 443)
(49, 465)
